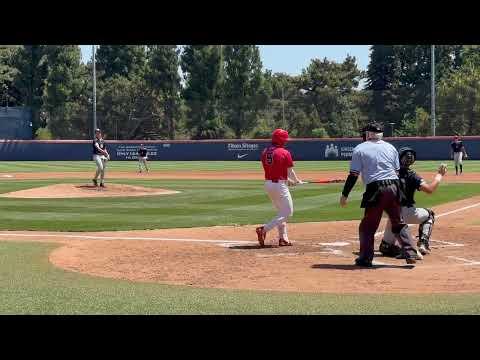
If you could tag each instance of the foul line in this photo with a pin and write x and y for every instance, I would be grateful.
(444, 214)
(226, 242)
(92, 237)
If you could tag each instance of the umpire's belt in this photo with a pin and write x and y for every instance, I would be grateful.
(381, 183)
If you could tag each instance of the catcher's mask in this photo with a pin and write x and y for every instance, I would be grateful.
(373, 131)
(407, 157)
(279, 137)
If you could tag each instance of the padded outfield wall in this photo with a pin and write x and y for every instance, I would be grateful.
(428, 148)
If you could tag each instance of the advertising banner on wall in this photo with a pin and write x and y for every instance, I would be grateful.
(437, 148)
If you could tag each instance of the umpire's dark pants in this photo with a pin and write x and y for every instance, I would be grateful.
(386, 198)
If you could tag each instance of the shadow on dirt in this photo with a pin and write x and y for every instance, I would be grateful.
(252, 247)
(355, 267)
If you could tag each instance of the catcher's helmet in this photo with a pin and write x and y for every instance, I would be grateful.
(407, 156)
(279, 137)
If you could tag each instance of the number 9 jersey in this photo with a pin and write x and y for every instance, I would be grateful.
(276, 161)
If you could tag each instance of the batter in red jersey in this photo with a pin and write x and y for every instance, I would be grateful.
(278, 166)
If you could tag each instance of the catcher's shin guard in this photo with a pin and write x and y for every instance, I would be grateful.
(425, 230)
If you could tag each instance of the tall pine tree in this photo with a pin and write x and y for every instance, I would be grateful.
(164, 79)
(242, 89)
(203, 74)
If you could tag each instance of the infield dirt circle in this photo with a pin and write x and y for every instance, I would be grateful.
(321, 259)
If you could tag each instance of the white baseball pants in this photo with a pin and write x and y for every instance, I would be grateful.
(458, 158)
(282, 200)
(411, 215)
(142, 160)
(101, 163)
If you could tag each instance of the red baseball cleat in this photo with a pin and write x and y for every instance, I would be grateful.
(261, 235)
(282, 242)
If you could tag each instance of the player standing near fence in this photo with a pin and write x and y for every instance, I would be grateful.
(279, 174)
(458, 153)
(142, 158)
(100, 156)
(377, 162)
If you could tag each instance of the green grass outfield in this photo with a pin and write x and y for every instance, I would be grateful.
(72, 166)
(29, 284)
(199, 203)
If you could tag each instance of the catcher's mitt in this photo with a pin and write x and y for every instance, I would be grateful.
(442, 169)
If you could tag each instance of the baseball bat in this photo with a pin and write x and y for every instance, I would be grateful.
(327, 181)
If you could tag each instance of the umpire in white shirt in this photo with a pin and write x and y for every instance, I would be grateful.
(377, 162)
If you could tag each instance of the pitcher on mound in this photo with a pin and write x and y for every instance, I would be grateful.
(279, 174)
(100, 156)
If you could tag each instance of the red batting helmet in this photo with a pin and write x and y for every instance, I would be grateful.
(280, 137)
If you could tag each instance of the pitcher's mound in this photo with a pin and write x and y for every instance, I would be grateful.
(81, 191)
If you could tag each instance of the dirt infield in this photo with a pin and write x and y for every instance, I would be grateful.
(60, 191)
(320, 260)
(228, 256)
(211, 175)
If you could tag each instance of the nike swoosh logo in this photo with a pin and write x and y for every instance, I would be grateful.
(241, 156)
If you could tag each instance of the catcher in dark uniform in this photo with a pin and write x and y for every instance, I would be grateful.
(410, 183)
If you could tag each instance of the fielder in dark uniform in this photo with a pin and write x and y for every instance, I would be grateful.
(100, 156)
(412, 182)
(377, 162)
(458, 153)
(142, 158)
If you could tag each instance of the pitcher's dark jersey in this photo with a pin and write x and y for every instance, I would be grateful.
(101, 145)
(457, 146)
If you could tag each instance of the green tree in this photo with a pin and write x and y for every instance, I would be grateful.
(399, 76)
(125, 109)
(66, 84)
(122, 60)
(8, 92)
(30, 79)
(244, 95)
(202, 67)
(328, 87)
(164, 80)
(459, 101)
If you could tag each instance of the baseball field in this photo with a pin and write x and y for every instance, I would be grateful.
(181, 240)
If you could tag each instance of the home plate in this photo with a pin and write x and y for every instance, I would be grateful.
(7, 176)
(338, 243)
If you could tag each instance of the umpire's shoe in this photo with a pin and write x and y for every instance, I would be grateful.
(363, 263)
(95, 183)
(389, 250)
(410, 259)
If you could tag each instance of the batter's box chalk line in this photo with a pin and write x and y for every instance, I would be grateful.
(337, 243)
(325, 252)
(467, 262)
(445, 244)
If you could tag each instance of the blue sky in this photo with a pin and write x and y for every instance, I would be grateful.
(291, 59)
